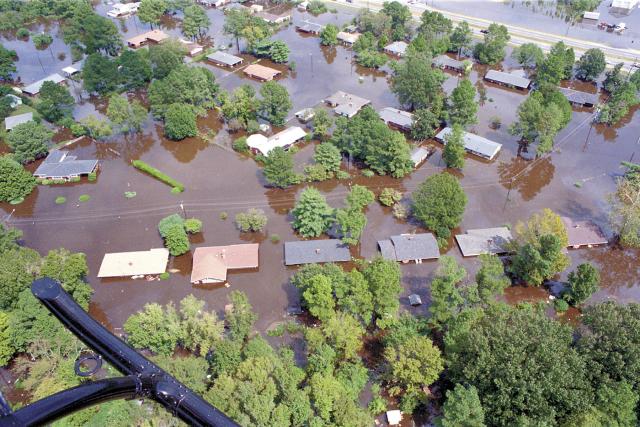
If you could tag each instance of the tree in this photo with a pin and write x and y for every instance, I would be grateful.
(195, 21)
(135, 69)
(529, 55)
(591, 64)
(540, 224)
(354, 297)
(86, 31)
(154, 328)
(42, 40)
(318, 298)
(321, 123)
(15, 182)
(311, 215)
(492, 49)
(461, 37)
(558, 65)
(453, 153)
(96, 128)
(371, 58)
(427, 120)
(70, 270)
(166, 57)
(7, 63)
(416, 83)
(583, 283)
(400, 15)
(351, 223)
(195, 86)
(240, 317)
(383, 277)
(279, 52)
(55, 101)
(150, 11)
(359, 197)
(625, 208)
(242, 105)
(18, 269)
(278, 168)
(446, 298)
(175, 236)
(328, 35)
(180, 122)
(6, 349)
(439, 203)
(613, 78)
(235, 22)
(252, 220)
(275, 103)
(462, 408)
(9, 238)
(635, 79)
(328, 155)
(622, 99)
(535, 263)
(129, 116)
(490, 278)
(201, 330)
(29, 141)
(100, 74)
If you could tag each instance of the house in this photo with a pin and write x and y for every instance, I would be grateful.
(484, 241)
(305, 115)
(71, 70)
(396, 48)
(273, 19)
(213, 3)
(34, 88)
(474, 144)
(402, 120)
(14, 100)
(303, 6)
(315, 251)
(193, 48)
(348, 38)
(580, 99)
(415, 300)
(394, 417)
(210, 264)
(591, 16)
(261, 72)
(260, 144)
(13, 121)
(346, 104)
(419, 155)
(153, 36)
(446, 63)
(255, 8)
(123, 9)
(583, 233)
(131, 264)
(224, 59)
(59, 165)
(310, 27)
(236, 6)
(511, 80)
(410, 247)
(624, 5)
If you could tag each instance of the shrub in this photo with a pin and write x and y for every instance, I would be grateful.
(275, 238)
(400, 211)
(276, 331)
(193, 225)
(78, 130)
(60, 200)
(253, 126)
(561, 305)
(496, 122)
(317, 172)
(59, 181)
(84, 198)
(130, 194)
(139, 164)
(389, 196)
(240, 145)
(45, 182)
(316, 7)
(368, 173)
(176, 190)
(251, 220)
(180, 122)
(164, 276)
(22, 33)
(342, 174)
(93, 176)
(75, 179)
(223, 215)
(172, 230)
(42, 40)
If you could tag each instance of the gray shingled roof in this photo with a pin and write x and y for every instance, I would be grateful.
(13, 121)
(508, 78)
(310, 27)
(400, 118)
(60, 165)
(583, 233)
(443, 61)
(410, 247)
(224, 58)
(398, 48)
(579, 97)
(484, 240)
(314, 251)
(474, 143)
(35, 87)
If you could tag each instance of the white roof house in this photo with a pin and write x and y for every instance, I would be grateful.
(123, 9)
(34, 88)
(484, 240)
(474, 144)
(348, 38)
(624, 4)
(398, 118)
(13, 121)
(398, 48)
(263, 145)
(346, 104)
(123, 264)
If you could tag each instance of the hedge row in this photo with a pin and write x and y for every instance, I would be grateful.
(139, 164)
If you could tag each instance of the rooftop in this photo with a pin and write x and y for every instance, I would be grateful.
(13, 121)
(443, 61)
(419, 155)
(310, 27)
(591, 15)
(285, 138)
(583, 233)
(59, 164)
(122, 264)
(410, 247)
(270, 17)
(346, 104)
(511, 79)
(261, 72)
(155, 36)
(484, 240)
(579, 97)
(224, 58)
(34, 88)
(210, 264)
(315, 251)
(397, 48)
(402, 119)
(349, 38)
(474, 143)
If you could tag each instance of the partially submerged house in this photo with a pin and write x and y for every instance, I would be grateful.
(260, 144)
(13, 121)
(123, 9)
(213, 3)
(133, 264)
(474, 144)
(309, 27)
(34, 88)
(446, 63)
(153, 36)
(484, 241)
(419, 155)
(210, 264)
(305, 115)
(346, 104)
(410, 247)
(274, 19)
(402, 120)
(512, 80)
(260, 72)
(193, 48)
(224, 59)
(579, 98)
(398, 48)
(348, 38)
(315, 251)
(583, 233)
(60, 165)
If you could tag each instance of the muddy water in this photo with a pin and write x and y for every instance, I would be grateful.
(218, 181)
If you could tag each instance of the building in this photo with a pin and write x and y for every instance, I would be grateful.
(309, 27)
(346, 104)
(153, 36)
(261, 72)
(34, 88)
(415, 300)
(134, 264)
(402, 120)
(260, 144)
(624, 5)
(123, 9)
(583, 233)
(410, 247)
(511, 80)
(394, 417)
(419, 155)
(303, 6)
(580, 99)
(348, 38)
(396, 48)
(474, 144)
(213, 3)
(273, 19)
(255, 8)
(446, 63)
(315, 251)
(224, 59)
(71, 70)
(305, 115)
(210, 264)
(236, 6)
(13, 121)
(59, 165)
(193, 48)
(484, 241)
(14, 100)
(591, 16)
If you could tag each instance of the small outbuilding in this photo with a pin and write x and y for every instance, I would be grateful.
(512, 80)
(419, 155)
(315, 251)
(34, 88)
(123, 9)
(394, 417)
(305, 115)
(210, 264)
(193, 48)
(260, 144)
(13, 121)
(70, 71)
(398, 48)
(583, 233)
(579, 98)
(415, 300)
(402, 120)
(474, 144)
(224, 59)
(260, 72)
(59, 165)
(130, 264)
(346, 104)
(410, 247)
(484, 241)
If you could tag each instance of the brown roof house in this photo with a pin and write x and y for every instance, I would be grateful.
(210, 264)
(153, 36)
(261, 72)
(583, 233)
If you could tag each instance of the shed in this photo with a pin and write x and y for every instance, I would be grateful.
(512, 80)
(261, 72)
(484, 241)
(260, 144)
(346, 104)
(210, 264)
(398, 48)
(70, 71)
(397, 118)
(579, 98)
(13, 121)
(193, 49)
(410, 247)
(224, 59)
(123, 264)
(394, 417)
(34, 88)
(419, 155)
(315, 251)
(444, 62)
(474, 144)
(583, 233)
(59, 165)
(348, 38)
(415, 300)
(310, 27)
(594, 16)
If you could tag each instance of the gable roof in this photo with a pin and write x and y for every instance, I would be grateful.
(121, 264)
(34, 88)
(315, 251)
(419, 155)
(349, 38)
(212, 262)
(398, 48)
(443, 61)
(60, 164)
(579, 97)
(400, 118)
(310, 27)
(474, 143)
(484, 240)
(13, 121)
(284, 138)
(224, 58)
(346, 104)
(508, 78)
(261, 72)
(410, 247)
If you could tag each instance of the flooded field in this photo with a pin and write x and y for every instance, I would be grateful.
(218, 180)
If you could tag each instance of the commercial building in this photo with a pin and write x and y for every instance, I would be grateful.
(410, 247)
(484, 241)
(583, 233)
(34, 88)
(511, 80)
(260, 144)
(60, 165)
(474, 144)
(261, 72)
(210, 264)
(132, 264)
(315, 251)
(13, 121)
(346, 104)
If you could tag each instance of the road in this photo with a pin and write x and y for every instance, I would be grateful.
(519, 35)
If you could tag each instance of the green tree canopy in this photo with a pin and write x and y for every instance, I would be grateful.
(128, 115)
(591, 64)
(195, 22)
(7, 63)
(462, 408)
(15, 182)
(383, 277)
(328, 35)
(463, 107)
(275, 103)
(535, 263)
(135, 69)
(416, 83)
(29, 141)
(55, 101)
(195, 86)
(86, 31)
(492, 49)
(180, 122)
(166, 57)
(582, 283)
(491, 278)
(453, 153)
(278, 168)
(100, 74)
(150, 11)
(461, 38)
(529, 55)
(312, 215)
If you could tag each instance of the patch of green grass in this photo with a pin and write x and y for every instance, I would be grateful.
(277, 331)
(84, 198)
(176, 190)
(224, 215)
(294, 327)
(164, 276)
(130, 194)
(274, 238)
(60, 200)
(578, 184)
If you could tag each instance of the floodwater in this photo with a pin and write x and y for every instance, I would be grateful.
(218, 181)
